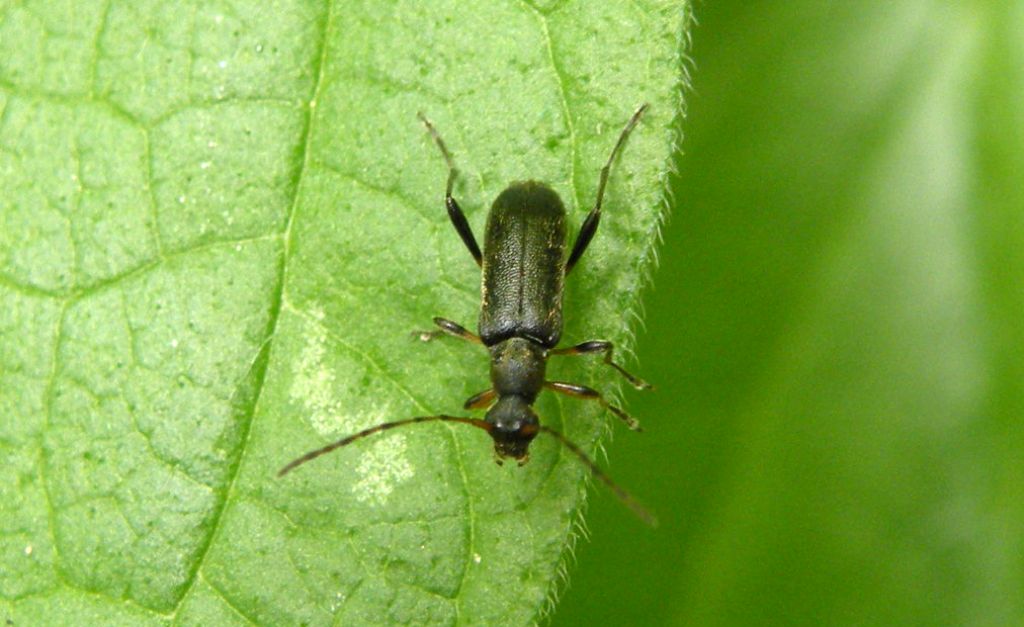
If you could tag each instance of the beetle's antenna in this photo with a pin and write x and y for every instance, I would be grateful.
(645, 515)
(482, 424)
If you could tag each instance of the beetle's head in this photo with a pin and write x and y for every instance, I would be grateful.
(513, 425)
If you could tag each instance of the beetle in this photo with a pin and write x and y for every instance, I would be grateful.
(523, 267)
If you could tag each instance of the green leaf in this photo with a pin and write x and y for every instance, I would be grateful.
(841, 296)
(220, 223)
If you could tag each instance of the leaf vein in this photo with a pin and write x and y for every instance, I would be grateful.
(275, 315)
(563, 91)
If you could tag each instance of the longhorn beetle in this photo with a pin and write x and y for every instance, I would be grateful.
(524, 267)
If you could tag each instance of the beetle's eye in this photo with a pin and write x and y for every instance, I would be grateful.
(528, 430)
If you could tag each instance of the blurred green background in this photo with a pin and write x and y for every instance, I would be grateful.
(835, 329)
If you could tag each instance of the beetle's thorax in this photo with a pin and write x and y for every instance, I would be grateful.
(517, 368)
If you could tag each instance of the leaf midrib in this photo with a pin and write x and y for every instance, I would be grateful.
(262, 362)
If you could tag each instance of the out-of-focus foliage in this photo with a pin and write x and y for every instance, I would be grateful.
(837, 330)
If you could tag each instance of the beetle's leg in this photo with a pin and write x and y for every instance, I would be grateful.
(603, 346)
(479, 401)
(594, 217)
(582, 391)
(462, 226)
(454, 211)
(447, 327)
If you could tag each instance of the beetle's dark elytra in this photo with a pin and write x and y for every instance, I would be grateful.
(523, 265)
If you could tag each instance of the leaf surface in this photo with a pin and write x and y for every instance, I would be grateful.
(220, 223)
